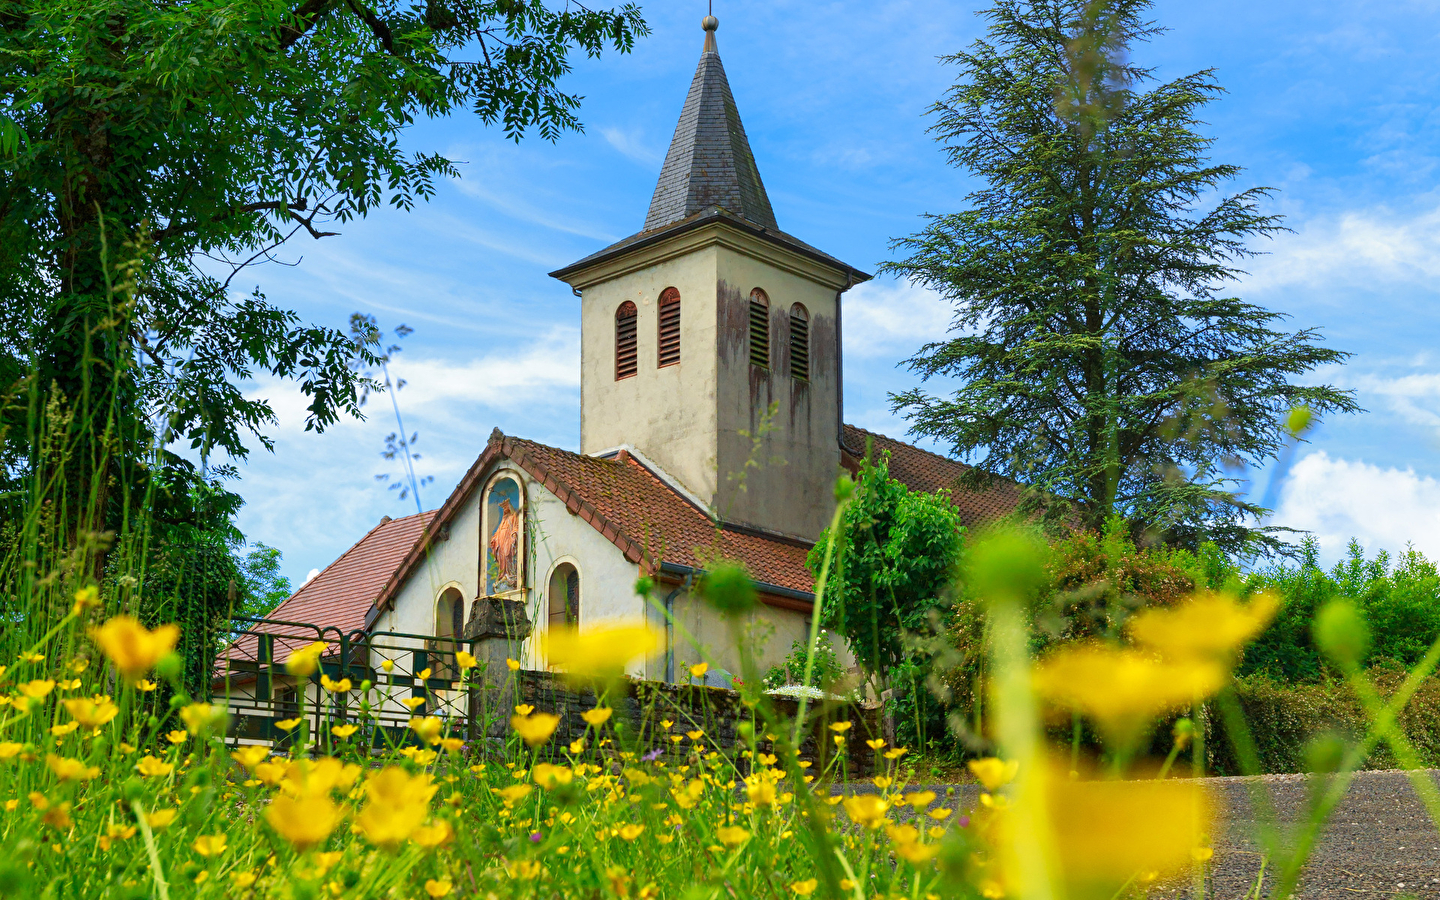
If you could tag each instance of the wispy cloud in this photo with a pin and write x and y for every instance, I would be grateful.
(632, 144)
(1357, 247)
(892, 319)
(1383, 508)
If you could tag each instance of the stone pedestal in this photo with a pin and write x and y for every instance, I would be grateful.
(495, 631)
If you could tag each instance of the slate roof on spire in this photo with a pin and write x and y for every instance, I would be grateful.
(709, 163)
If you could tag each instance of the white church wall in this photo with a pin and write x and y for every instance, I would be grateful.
(769, 631)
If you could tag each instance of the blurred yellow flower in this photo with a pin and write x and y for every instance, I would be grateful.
(8, 749)
(536, 729)
(804, 888)
(601, 652)
(423, 674)
(32, 657)
(242, 880)
(840, 727)
(1202, 854)
(465, 660)
(62, 730)
(699, 669)
(630, 832)
(732, 835)
(1209, 625)
(414, 702)
(695, 735)
(761, 792)
(427, 729)
(271, 773)
(940, 814)
(58, 817)
(303, 662)
(38, 800)
(388, 665)
(432, 836)
(151, 767)
(1123, 690)
(199, 718)
(208, 845)
(251, 756)
(289, 724)
(548, 775)
(993, 773)
(1106, 831)
(133, 648)
(512, 665)
(160, 818)
(67, 769)
(523, 869)
(304, 821)
(333, 686)
(146, 686)
(524, 709)
(452, 744)
(36, 689)
(896, 753)
(344, 731)
(86, 598)
(875, 744)
(397, 804)
(577, 745)
(597, 716)
(177, 736)
(92, 713)
(317, 776)
(70, 685)
(514, 793)
(437, 889)
(920, 799)
(866, 809)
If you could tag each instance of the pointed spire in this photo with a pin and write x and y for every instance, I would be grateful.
(709, 163)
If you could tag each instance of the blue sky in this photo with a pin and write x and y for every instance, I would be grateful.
(1335, 105)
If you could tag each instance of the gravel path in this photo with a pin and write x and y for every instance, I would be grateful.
(1379, 843)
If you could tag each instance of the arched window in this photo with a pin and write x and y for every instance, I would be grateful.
(449, 624)
(669, 328)
(759, 329)
(799, 343)
(504, 537)
(564, 596)
(627, 358)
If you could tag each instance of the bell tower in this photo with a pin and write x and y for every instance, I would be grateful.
(710, 340)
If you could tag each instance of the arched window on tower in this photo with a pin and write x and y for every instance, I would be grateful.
(565, 596)
(627, 358)
(759, 329)
(799, 343)
(669, 328)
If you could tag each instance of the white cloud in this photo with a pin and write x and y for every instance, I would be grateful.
(1382, 508)
(1358, 247)
(892, 319)
(632, 145)
(1414, 398)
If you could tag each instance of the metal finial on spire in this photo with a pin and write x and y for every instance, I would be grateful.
(710, 23)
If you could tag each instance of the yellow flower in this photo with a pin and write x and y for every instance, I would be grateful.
(199, 718)
(67, 769)
(414, 702)
(866, 809)
(1202, 854)
(242, 880)
(397, 804)
(630, 832)
(304, 821)
(39, 800)
(289, 724)
(732, 835)
(388, 665)
(920, 799)
(840, 727)
(303, 662)
(146, 686)
(464, 660)
(437, 889)
(992, 772)
(597, 716)
(152, 767)
(177, 736)
(85, 598)
(523, 869)
(333, 686)
(601, 652)
(1123, 690)
(916, 853)
(699, 669)
(427, 729)
(536, 729)
(875, 744)
(1106, 831)
(548, 775)
(512, 665)
(344, 731)
(92, 713)
(694, 735)
(577, 746)
(513, 793)
(133, 648)
(58, 817)
(208, 845)
(62, 730)
(271, 773)
(804, 888)
(940, 814)
(882, 781)
(36, 689)
(423, 674)
(9, 749)
(251, 756)
(1209, 625)
(432, 836)
(896, 753)
(451, 744)
(323, 861)
(524, 709)
(160, 818)
(761, 792)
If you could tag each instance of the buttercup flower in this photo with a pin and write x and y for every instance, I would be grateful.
(37, 689)
(344, 731)
(431, 836)
(437, 889)
(427, 729)
(133, 648)
(548, 775)
(464, 660)
(304, 821)
(866, 809)
(67, 769)
(251, 756)
(303, 662)
(993, 773)
(597, 652)
(536, 729)
(397, 804)
(160, 818)
(208, 845)
(732, 835)
(597, 716)
(1208, 626)
(151, 767)
(92, 713)
(804, 888)
(699, 669)
(333, 686)
(199, 718)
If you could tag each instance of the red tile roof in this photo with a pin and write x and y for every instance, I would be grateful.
(343, 593)
(921, 470)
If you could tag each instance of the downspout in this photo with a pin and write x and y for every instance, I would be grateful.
(840, 363)
(670, 631)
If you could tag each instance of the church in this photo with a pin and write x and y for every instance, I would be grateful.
(711, 428)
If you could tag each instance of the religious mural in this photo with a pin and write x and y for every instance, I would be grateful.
(502, 548)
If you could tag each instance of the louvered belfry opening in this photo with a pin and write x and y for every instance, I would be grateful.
(799, 343)
(627, 356)
(669, 328)
(759, 329)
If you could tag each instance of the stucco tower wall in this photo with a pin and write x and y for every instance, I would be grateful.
(792, 489)
(667, 413)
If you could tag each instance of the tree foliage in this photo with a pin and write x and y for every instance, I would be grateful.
(150, 151)
(1097, 355)
(895, 557)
